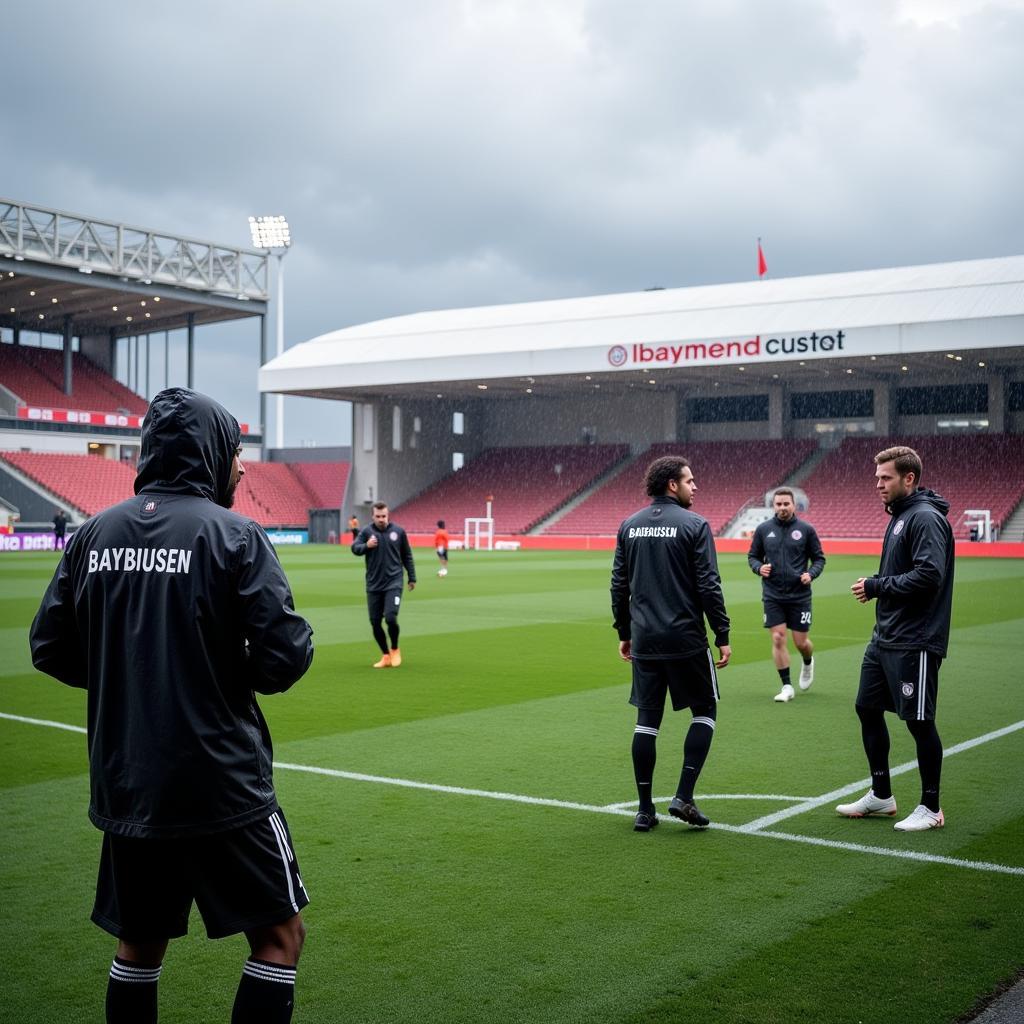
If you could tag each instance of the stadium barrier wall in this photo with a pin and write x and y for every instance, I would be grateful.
(964, 548)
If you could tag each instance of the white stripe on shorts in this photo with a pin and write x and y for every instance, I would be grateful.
(922, 682)
(286, 858)
(714, 675)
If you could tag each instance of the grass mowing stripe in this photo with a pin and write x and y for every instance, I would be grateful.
(625, 812)
(853, 787)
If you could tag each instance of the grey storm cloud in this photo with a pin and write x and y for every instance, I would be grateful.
(461, 152)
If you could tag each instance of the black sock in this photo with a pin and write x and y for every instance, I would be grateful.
(875, 736)
(131, 992)
(645, 740)
(784, 676)
(695, 750)
(380, 636)
(929, 761)
(393, 633)
(266, 994)
(808, 658)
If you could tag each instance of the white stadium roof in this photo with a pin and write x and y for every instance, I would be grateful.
(794, 327)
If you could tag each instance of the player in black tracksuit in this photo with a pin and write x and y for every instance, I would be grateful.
(665, 583)
(786, 553)
(388, 555)
(900, 672)
(172, 613)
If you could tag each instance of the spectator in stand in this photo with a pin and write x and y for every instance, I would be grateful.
(441, 546)
(60, 525)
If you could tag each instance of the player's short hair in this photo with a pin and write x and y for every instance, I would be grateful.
(661, 472)
(784, 490)
(904, 459)
(440, 524)
(380, 504)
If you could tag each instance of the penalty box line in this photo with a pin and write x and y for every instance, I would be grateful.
(520, 798)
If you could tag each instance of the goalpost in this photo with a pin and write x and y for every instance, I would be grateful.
(481, 528)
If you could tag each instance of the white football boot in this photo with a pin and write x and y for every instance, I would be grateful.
(807, 675)
(784, 695)
(868, 806)
(921, 819)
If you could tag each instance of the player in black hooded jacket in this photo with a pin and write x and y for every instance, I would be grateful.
(900, 672)
(172, 613)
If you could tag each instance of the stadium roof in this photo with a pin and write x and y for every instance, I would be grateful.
(114, 277)
(799, 328)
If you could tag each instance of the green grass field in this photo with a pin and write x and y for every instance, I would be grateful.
(461, 900)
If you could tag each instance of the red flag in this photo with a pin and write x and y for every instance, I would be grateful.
(762, 263)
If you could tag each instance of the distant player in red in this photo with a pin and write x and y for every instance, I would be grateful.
(441, 547)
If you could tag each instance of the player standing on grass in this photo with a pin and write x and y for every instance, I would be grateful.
(786, 553)
(173, 612)
(441, 547)
(386, 549)
(900, 671)
(665, 582)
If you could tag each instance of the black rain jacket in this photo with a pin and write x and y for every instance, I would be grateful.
(171, 610)
(665, 582)
(385, 563)
(914, 585)
(788, 547)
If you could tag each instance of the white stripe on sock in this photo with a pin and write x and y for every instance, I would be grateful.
(267, 972)
(703, 720)
(126, 972)
(646, 730)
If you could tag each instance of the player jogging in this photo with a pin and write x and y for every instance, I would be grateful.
(386, 549)
(441, 547)
(665, 583)
(913, 591)
(786, 553)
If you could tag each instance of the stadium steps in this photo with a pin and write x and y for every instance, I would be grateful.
(807, 467)
(578, 499)
(1012, 531)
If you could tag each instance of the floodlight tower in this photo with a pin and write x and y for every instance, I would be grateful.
(273, 234)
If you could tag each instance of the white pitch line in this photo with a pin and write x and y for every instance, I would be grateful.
(770, 819)
(43, 721)
(745, 830)
(721, 796)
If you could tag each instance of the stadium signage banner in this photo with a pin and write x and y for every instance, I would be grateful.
(27, 542)
(755, 348)
(288, 537)
(87, 419)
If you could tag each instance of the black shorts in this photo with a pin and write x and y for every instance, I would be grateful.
(795, 614)
(692, 682)
(243, 879)
(442, 552)
(905, 682)
(383, 604)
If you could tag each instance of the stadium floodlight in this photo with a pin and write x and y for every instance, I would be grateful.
(274, 235)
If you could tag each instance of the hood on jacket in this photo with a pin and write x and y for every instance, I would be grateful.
(188, 445)
(922, 494)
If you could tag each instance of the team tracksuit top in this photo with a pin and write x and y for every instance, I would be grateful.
(172, 612)
(665, 582)
(788, 547)
(914, 583)
(385, 562)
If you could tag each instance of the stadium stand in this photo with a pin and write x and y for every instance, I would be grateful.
(325, 481)
(980, 471)
(36, 376)
(272, 493)
(728, 475)
(526, 485)
(87, 482)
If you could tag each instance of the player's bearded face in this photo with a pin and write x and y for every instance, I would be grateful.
(237, 472)
(784, 508)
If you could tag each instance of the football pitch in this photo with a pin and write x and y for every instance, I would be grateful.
(464, 823)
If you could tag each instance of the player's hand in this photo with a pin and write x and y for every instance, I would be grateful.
(372, 541)
(766, 570)
(858, 591)
(626, 650)
(724, 654)
(805, 579)
(412, 584)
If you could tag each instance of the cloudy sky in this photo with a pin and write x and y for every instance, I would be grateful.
(444, 153)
